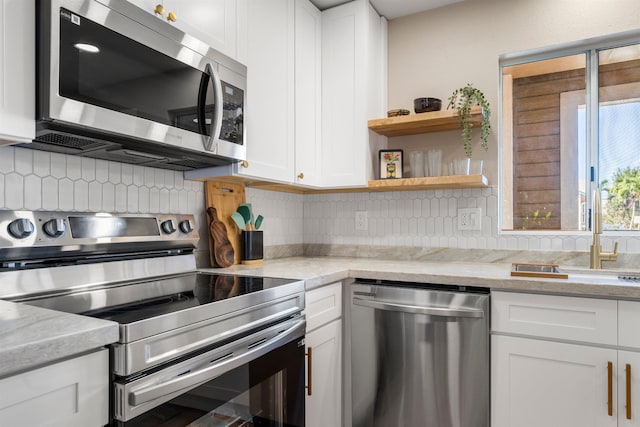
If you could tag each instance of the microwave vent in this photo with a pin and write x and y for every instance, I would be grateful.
(185, 164)
(69, 141)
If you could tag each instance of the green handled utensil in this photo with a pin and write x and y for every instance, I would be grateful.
(245, 210)
(239, 220)
(258, 221)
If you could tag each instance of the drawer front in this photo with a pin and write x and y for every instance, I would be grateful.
(628, 321)
(566, 318)
(323, 305)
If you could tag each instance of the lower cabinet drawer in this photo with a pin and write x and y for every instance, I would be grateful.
(578, 319)
(66, 394)
(323, 305)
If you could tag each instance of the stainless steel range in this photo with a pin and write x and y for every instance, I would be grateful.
(195, 348)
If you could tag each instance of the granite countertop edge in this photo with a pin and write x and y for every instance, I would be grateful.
(31, 337)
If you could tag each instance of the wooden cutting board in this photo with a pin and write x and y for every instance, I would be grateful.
(226, 198)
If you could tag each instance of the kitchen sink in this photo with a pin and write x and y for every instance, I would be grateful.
(553, 271)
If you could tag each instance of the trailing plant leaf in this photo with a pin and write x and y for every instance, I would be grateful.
(462, 100)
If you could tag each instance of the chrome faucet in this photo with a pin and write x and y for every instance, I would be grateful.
(596, 255)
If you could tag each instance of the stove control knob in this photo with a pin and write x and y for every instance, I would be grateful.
(168, 226)
(21, 228)
(55, 227)
(186, 226)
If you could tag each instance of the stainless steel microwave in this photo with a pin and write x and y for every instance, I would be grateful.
(117, 83)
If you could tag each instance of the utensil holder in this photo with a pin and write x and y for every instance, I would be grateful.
(252, 247)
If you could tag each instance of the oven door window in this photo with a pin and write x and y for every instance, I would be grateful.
(266, 392)
(100, 67)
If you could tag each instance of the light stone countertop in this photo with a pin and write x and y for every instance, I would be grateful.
(31, 336)
(319, 271)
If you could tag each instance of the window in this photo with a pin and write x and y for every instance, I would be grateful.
(571, 123)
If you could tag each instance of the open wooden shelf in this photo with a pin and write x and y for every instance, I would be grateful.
(400, 184)
(412, 124)
(429, 183)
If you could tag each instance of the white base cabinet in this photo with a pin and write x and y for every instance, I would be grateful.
(17, 71)
(628, 389)
(323, 341)
(541, 383)
(73, 393)
(564, 361)
(323, 402)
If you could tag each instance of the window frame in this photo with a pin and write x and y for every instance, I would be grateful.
(591, 49)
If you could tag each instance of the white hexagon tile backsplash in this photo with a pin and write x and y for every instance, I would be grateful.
(39, 180)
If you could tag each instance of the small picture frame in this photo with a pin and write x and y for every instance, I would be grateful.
(391, 164)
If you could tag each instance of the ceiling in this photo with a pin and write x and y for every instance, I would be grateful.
(391, 9)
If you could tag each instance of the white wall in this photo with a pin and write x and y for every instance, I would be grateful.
(435, 52)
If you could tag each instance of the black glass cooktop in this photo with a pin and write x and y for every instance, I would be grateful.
(132, 302)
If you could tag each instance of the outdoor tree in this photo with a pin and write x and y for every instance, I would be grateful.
(624, 196)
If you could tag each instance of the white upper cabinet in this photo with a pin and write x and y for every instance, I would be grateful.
(283, 95)
(270, 90)
(283, 91)
(353, 90)
(219, 23)
(313, 80)
(308, 105)
(17, 71)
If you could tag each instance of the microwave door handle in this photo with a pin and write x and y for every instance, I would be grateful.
(199, 377)
(217, 107)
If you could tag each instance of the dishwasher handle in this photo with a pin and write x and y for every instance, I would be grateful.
(415, 309)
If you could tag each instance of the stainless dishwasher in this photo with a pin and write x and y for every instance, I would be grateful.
(419, 355)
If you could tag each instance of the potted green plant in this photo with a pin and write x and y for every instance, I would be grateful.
(462, 100)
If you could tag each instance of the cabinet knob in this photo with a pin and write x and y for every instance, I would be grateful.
(171, 17)
(244, 164)
(159, 10)
(300, 175)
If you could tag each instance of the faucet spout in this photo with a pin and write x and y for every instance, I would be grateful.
(596, 256)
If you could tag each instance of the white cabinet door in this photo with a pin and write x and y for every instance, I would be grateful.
(323, 402)
(215, 22)
(353, 82)
(270, 90)
(539, 383)
(628, 389)
(73, 393)
(308, 106)
(17, 71)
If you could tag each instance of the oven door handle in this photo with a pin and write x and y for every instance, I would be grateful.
(201, 376)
